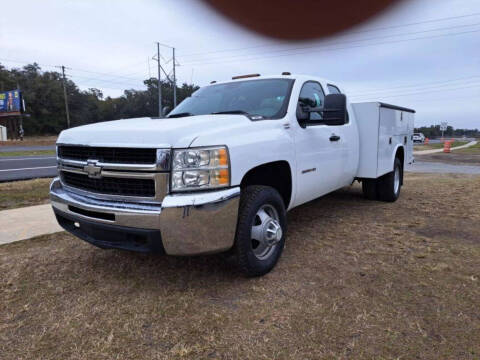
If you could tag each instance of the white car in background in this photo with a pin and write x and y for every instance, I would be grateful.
(418, 138)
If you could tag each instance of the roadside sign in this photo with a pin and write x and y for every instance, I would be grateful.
(443, 126)
(11, 103)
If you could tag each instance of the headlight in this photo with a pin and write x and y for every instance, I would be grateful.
(201, 168)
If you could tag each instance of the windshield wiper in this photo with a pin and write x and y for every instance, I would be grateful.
(182, 114)
(241, 112)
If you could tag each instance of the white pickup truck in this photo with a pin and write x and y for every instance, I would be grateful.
(221, 171)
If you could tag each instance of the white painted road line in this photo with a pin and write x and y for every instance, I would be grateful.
(38, 158)
(34, 168)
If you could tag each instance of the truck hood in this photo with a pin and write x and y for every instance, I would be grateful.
(151, 132)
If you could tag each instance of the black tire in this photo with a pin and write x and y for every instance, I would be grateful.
(253, 199)
(387, 191)
(369, 188)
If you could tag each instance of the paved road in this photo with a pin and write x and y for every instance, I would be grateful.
(27, 167)
(11, 148)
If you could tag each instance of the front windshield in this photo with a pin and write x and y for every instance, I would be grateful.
(266, 98)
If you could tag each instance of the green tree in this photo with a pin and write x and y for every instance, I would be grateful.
(43, 95)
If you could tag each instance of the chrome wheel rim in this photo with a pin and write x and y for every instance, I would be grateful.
(266, 232)
(396, 181)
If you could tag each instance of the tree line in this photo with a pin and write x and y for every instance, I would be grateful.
(43, 94)
(44, 100)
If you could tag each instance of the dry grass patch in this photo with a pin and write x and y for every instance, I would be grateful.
(31, 141)
(358, 280)
(457, 157)
(475, 149)
(24, 193)
(27, 153)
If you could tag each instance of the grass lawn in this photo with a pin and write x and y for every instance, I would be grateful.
(358, 280)
(433, 146)
(31, 141)
(24, 193)
(475, 149)
(467, 156)
(27, 153)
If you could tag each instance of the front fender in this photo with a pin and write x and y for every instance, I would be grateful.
(258, 143)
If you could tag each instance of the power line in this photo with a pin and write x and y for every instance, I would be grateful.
(333, 49)
(341, 42)
(107, 80)
(27, 62)
(422, 100)
(348, 33)
(127, 66)
(96, 82)
(106, 74)
(111, 75)
(419, 86)
(421, 92)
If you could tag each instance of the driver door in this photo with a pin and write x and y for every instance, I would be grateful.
(318, 155)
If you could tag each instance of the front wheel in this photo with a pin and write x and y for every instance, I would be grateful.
(261, 230)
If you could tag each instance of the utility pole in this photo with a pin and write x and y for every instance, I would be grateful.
(160, 112)
(20, 123)
(65, 94)
(174, 82)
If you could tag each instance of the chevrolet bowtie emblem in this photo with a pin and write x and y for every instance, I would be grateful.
(92, 169)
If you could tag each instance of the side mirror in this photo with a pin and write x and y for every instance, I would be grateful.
(166, 110)
(335, 109)
(302, 116)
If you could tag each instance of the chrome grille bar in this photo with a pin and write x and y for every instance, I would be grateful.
(135, 191)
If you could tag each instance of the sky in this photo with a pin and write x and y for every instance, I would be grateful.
(422, 54)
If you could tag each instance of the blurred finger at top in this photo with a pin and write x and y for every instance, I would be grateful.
(299, 19)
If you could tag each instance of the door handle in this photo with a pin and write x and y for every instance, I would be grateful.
(334, 137)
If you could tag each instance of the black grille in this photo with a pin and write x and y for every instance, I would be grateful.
(111, 185)
(108, 155)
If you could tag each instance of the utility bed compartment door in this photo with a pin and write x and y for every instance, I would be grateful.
(382, 129)
(390, 132)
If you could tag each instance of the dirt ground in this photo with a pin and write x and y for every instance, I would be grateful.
(451, 158)
(15, 194)
(358, 280)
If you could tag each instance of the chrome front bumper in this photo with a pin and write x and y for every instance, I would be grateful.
(189, 224)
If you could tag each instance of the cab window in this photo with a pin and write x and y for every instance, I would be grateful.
(332, 89)
(312, 95)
